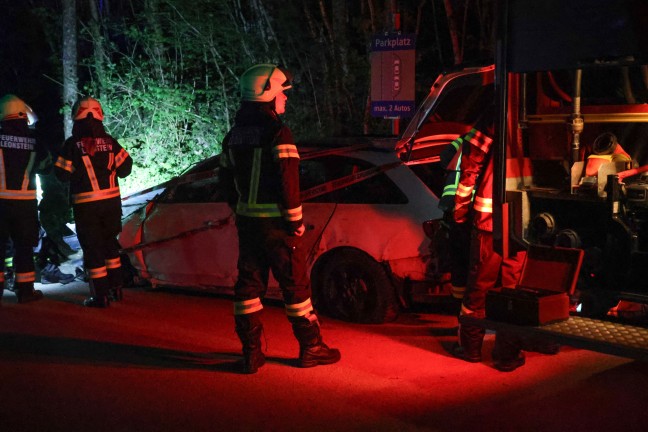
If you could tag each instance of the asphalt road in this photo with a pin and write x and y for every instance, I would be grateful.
(167, 361)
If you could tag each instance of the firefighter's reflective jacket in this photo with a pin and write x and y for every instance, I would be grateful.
(476, 174)
(261, 160)
(21, 157)
(451, 163)
(92, 160)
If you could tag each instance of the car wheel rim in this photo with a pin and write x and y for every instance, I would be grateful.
(348, 294)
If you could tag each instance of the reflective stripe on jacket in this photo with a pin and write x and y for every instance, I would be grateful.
(18, 159)
(261, 157)
(476, 174)
(92, 165)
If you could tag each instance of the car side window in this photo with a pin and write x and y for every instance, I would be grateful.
(202, 190)
(377, 189)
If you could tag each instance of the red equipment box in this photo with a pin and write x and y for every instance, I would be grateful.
(548, 278)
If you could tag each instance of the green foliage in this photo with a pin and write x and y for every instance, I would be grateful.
(168, 75)
(158, 101)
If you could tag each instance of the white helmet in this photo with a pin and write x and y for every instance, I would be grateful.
(89, 106)
(263, 82)
(14, 108)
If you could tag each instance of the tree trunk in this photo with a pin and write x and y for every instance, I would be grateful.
(98, 45)
(152, 9)
(70, 79)
(454, 34)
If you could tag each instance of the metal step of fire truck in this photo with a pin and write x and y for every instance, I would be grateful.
(607, 337)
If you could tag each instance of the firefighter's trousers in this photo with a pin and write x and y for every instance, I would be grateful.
(98, 224)
(19, 222)
(264, 245)
(486, 268)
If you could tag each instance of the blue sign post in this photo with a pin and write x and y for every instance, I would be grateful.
(392, 75)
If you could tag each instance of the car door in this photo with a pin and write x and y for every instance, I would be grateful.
(192, 236)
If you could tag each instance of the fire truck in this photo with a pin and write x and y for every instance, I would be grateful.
(570, 87)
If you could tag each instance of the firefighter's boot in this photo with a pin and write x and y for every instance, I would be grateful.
(312, 350)
(115, 293)
(249, 330)
(98, 294)
(470, 343)
(26, 293)
(115, 279)
(507, 352)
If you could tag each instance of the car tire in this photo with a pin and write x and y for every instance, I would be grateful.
(352, 286)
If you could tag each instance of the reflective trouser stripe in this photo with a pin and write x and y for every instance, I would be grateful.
(299, 309)
(98, 273)
(84, 197)
(457, 292)
(113, 263)
(25, 277)
(247, 306)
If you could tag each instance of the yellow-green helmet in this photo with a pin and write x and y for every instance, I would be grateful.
(263, 82)
(89, 106)
(13, 108)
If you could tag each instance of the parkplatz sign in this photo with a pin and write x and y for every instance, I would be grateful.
(392, 75)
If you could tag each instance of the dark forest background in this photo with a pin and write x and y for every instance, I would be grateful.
(166, 71)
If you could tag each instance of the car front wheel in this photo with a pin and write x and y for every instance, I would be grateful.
(352, 286)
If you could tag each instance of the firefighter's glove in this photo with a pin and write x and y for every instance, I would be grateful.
(300, 231)
(295, 228)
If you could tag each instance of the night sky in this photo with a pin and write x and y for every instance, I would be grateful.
(28, 59)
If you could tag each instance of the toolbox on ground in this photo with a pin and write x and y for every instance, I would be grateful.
(549, 276)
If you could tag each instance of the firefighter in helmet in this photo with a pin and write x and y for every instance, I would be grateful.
(21, 158)
(456, 237)
(91, 160)
(474, 200)
(260, 162)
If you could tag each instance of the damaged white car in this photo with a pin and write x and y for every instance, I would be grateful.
(364, 212)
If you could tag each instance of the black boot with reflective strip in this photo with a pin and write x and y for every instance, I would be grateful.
(312, 350)
(249, 330)
(26, 293)
(98, 294)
